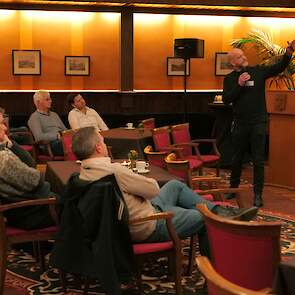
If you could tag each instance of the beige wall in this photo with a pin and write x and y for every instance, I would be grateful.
(58, 34)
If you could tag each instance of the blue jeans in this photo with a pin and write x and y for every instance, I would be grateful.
(177, 197)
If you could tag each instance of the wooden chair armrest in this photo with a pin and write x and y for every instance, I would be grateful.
(212, 140)
(155, 216)
(33, 202)
(208, 179)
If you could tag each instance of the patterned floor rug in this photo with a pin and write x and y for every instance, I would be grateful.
(24, 274)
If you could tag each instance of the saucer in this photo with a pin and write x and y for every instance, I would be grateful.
(78, 162)
(143, 171)
(127, 128)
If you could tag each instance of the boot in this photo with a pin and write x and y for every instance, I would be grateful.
(243, 214)
(258, 200)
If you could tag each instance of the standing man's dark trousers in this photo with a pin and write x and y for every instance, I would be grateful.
(243, 136)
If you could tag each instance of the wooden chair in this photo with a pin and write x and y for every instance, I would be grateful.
(10, 235)
(181, 136)
(170, 249)
(66, 139)
(162, 142)
(218, 285)
(245, 253)
(155, 158)
(148, 123)
(209, 187)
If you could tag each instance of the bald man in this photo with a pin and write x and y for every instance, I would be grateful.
(244, 88)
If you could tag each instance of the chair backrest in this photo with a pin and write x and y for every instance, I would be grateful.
(180, 134)
(148, 123)
(66, 139)
(155, 158)
(180, 168)
(217, 284)
(161, 138)
(246, 253)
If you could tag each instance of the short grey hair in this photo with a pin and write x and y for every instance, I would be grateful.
(84, 142)
(39, 95)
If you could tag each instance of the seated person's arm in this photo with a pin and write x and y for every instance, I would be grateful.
(100, 123)
(136, 184)
(60, 123)
(36, 128)
(16, 174)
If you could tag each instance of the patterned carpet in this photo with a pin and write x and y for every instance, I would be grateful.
(25, 274)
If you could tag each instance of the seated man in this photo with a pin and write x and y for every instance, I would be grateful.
(19, 182)
(83, 116)
(143, 195)
(45, 124)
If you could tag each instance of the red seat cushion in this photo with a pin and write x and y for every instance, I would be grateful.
(27, 148)
(151, 247)
(209, 158)
(14, 231)
(194, 162)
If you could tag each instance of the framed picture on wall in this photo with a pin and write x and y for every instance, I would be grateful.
(26, 62)
(77, 65)
(175, 66)
(222, 66)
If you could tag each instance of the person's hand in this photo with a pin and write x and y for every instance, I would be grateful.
(244, 78)
(291, 47)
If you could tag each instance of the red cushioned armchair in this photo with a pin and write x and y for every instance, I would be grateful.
(11, 235)
(181, 136)
(245, 253)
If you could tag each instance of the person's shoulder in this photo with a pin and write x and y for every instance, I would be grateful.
(34, 114)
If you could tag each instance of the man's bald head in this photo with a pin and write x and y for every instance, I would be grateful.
(237, 59)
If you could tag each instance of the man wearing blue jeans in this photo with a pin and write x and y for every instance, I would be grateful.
(143, 195)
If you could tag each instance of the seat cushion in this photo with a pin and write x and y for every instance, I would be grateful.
(194, 162)
(14, 231)
(27, 148)
(144, 248)
(209, 158)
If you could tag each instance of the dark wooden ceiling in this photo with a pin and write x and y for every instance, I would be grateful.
(277, 8)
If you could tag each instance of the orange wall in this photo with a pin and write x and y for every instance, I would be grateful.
(58, 34)
(154, 39)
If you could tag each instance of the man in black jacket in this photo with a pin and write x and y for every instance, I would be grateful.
(244, 88)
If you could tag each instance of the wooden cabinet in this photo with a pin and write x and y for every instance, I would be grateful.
(281, 109)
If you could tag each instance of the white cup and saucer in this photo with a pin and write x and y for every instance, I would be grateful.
(141, 167)
(129, 126)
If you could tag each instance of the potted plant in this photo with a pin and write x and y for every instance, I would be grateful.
(269, 53)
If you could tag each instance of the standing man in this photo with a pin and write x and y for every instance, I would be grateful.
(83, 116)
(45, 124)
(244, 88)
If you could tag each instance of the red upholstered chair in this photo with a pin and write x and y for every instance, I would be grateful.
(172, 249)
(162, 142)
(10, 235)
(148, 123)
(218, 285)
(181, 135)
(155, 158)
(66, 139)
(245, 253)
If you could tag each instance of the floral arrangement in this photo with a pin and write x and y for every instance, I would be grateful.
(132, 155)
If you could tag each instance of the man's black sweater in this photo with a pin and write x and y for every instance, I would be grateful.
(248, 102)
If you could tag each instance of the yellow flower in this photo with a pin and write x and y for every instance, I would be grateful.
(132, 155)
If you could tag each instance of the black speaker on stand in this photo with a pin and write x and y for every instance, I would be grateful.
(188, 48)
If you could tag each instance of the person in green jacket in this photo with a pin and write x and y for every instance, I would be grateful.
(244, 89)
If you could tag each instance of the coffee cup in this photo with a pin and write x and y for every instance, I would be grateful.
(141, 166)
(129, 125)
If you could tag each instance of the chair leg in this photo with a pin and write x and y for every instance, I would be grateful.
(192, 254)
(3, 266)
(178, 267)
(41, 257)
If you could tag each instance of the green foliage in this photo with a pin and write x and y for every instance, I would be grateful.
(269, 54)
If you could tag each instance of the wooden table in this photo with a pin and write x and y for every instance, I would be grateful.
(122, 140)
(59, 172)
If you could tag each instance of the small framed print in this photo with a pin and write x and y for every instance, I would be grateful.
(222, 66)
(26, 62)
(175, 66)
(77, 65)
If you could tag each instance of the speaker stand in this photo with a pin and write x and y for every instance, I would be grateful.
(185, 59)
